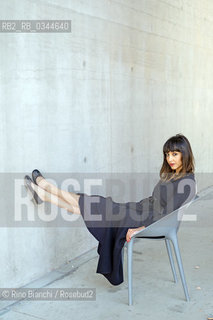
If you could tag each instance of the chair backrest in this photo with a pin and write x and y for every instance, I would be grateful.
(167, 224)
(182, 209)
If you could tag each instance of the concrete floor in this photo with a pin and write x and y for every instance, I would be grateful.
(155, 293)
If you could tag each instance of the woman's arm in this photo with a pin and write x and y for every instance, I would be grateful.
(183, 193)
(131, 232)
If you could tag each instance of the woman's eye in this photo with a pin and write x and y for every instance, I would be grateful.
(174, 154)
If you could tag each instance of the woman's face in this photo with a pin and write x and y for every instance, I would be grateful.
(174, 160)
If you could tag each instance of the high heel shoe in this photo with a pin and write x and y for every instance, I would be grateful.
(35, 174)
(36, 199)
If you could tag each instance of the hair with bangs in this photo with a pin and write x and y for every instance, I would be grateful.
(177, 143)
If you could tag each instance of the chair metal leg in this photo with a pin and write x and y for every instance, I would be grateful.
(169, 251)
(180, 265)
(129, 263)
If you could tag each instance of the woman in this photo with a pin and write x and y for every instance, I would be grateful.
(120, 221)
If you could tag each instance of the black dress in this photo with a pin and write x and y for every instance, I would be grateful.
(109, 221)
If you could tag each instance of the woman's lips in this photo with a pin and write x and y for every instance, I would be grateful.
(171, 164)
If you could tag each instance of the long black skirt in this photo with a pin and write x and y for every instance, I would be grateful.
(108, 222)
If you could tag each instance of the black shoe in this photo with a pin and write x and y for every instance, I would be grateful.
(35, 198)
(36, 174)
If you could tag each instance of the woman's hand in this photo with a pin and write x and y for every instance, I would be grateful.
(131, 232)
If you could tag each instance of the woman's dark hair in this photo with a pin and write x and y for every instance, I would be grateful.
(177, 143)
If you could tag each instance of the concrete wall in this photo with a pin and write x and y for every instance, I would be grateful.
(103, 98)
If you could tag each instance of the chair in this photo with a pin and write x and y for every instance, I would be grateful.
(166, 229)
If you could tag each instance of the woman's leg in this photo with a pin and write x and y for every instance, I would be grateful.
(71, 206)
(69, 197)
